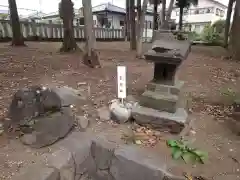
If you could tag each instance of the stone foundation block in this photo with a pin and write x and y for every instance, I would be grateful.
(163, 121)
(166, 89)
(159, 101)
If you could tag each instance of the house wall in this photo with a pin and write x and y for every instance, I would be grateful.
(115, 19)
(199, 16)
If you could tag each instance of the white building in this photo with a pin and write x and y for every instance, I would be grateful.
(197, 17)
(110, 16)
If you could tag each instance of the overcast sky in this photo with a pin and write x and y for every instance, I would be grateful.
(48, 6)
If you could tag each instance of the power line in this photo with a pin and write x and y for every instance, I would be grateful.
(19, 8)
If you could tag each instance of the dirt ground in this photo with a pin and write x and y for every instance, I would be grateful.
(206, 74)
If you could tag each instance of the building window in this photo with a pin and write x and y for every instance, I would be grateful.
(218, 12)
(185, 12)
(121, 23)
(201, 11)
(209, 10)
(81, 21)
(94, 22)
(222, 13)
(196, 11)
(197, 28)
(149, 25)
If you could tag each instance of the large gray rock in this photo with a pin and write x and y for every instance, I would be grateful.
(28, 103)
(119, 112)
(68, 95)
(47, 130)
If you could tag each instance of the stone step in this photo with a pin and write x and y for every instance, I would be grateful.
(159, 101)
(162, 121)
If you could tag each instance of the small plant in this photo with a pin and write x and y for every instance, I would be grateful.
(181, 149)
(229, 95)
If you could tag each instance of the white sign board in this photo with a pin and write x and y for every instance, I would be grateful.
(121, 78)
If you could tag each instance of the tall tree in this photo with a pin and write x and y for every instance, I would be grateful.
(66, 13)
(227, 23)
(133, 42)
(234, 33)
(17, 39)
(91, 57)
(139, 8)
(141, 26)
(181, 4)
(155, 4)
(155, 14)
(170, 9)
(127, 21)
(163, 14)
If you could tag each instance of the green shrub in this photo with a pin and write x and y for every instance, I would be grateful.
(194, 36)
(219, 26)
(213, 33)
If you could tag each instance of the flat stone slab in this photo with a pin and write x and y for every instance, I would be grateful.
(162, 121)
(160, 101)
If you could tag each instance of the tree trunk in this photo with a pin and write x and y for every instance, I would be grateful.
(91, 57)
(227, 24)
(180, 19)
(17, 39)
(69, 43)
(66, 13)
(234, 34)
(142, 19)
(127, 21)
(133, 42)
(155, 15)
(170, 9)
(163, 14)
(139, 7)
